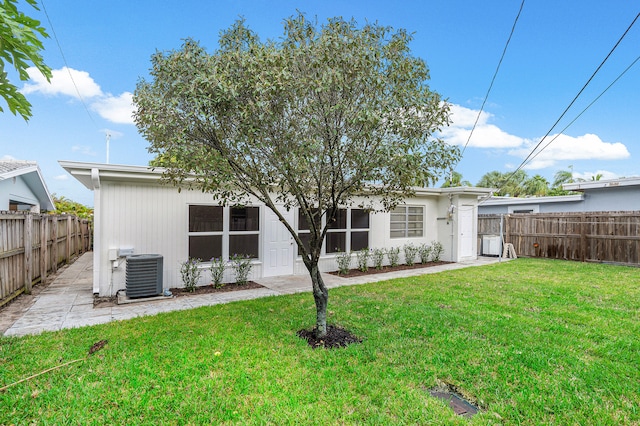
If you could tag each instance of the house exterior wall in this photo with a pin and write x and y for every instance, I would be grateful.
(608, 198)
(541, 207)
(15, 189)
(150, 218)
(623, 198)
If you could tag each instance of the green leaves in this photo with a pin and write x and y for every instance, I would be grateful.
(19, 46)
(326, 113)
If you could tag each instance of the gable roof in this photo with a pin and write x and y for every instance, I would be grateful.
(32, 176)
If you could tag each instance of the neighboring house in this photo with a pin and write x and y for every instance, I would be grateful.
(601, 195)
(135, 213)
(22, 187)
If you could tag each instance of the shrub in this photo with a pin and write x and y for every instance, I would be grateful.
(378, 257)
(410, 253)
(242, 266)
(344, 262)
(362, 256)
(393, 254)
(436, 251)
(190, 273)
(425, 252)
(217, 271)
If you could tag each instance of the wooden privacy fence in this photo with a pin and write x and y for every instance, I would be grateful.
(587, 237)
(33, 246)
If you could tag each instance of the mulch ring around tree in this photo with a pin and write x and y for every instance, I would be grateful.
(337, 337)
(372, 271)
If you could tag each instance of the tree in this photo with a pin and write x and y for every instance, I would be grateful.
(64, 205)
(19, 46)
(507, 184)
(560, 178)
(536, 185)
(313, 121)
(455, 180)
(563, 176)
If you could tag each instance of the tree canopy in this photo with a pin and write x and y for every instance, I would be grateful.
(311, 121)
(64, 205)
(20, 46)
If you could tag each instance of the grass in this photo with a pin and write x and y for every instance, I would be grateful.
(532, 341)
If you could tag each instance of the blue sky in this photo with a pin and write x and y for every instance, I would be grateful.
(555, 48)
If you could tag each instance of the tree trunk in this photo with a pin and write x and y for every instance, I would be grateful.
(321, 297)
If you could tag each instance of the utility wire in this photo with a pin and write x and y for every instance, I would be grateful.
(64, 59)
(483, 199)
(486, 96)
(586, 108)
(526, 160)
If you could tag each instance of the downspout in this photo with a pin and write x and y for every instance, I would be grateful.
(97, 229)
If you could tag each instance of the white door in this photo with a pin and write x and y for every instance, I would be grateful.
(279, 245)
(465, 218)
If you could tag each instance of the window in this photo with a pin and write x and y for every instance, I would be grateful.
(303, 227)
(336, 240)
(349, 231)
(244, 231)
(214, 228)
(407, 222)
(359, 229)
(205, 232)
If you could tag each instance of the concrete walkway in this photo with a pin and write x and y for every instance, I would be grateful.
(68, 301)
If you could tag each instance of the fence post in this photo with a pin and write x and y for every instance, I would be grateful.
(54, 244)
(68, 240)
(28, 252)
(583, 238)
(43, 248)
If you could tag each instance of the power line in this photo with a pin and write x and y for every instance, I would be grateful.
(64, 59)
(570, 104)
(587, 107)
(493, 79)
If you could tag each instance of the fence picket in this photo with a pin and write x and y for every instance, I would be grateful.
(29, 248)
(588, 237)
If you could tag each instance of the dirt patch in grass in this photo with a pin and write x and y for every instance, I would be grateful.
(337, 337)
(372, 271)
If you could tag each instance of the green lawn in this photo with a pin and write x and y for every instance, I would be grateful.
(532, 341)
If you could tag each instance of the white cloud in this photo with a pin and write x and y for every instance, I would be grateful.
(563, 148)
(485, 135)
(117, 109)
(84, 149)
(62, 83)
(7, 157)
(588, 175)
(61, 177)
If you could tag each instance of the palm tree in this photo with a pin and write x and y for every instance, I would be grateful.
(563, 176)
(537, 185)
(507, 184)
(455, 180)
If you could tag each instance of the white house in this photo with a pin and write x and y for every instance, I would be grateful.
(134, 212)
(22, 187)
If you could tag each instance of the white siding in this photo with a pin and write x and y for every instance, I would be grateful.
(153, 219)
